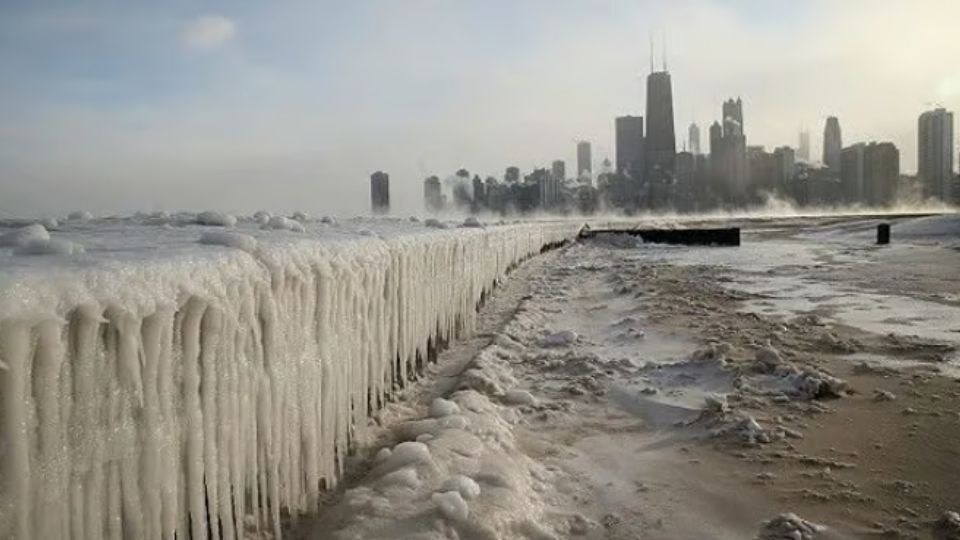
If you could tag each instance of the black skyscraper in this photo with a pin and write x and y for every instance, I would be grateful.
(661, 142)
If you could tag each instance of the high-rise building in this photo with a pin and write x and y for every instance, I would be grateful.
(803, 150)
(629, 134)
(733, 117)
(584, 159)
(432, 194)
(881, 172)
(511, 175)
(380, 192)
(832, 145)
(694, 133)
(559, 170)
(785, 161)
(660, 146)
(852, 174)
(716, 139)
(935, 154)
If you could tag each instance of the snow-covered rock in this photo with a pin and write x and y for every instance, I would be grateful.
(466, 486)
(49, 246)
(451, 505)
(443, 407)
(283, 224)
(80, 215)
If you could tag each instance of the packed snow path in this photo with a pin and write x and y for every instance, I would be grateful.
(181, 390)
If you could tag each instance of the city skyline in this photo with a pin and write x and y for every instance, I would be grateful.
(243, 106)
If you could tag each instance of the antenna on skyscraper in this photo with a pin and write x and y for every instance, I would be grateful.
(664, 38)
(651, 52)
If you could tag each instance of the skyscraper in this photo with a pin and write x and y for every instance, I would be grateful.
(661, 142)
(629, 133)
(803, 150)
(881, 172)
(380, 192)
(584, 160)
(852, 174)
(694, 133)
(432, 194)
(559, 170)
(935, 154)
(733, 117)
(832, 145)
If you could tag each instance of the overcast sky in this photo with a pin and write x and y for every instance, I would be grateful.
(241, 105)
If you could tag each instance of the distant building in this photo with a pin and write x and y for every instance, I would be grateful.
(584, 159)
(728, 155)
(479, 194)
(881, 173)
(629, 134)
(733, 117)
(694, 133)
(785, 168)
(432, 194)
(803, 150)
(935, 154)
(380, 192)
(511, 175)
(660, 145)
(832, 145)
(559, 170)
(853, 174)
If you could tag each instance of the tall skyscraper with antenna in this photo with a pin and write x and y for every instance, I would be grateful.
(661, 143)
(694, 132)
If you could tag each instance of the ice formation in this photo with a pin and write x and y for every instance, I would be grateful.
(200, 394)
(24, 235)
(218, 219)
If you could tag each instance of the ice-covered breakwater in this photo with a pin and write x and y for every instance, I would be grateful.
(157, 387)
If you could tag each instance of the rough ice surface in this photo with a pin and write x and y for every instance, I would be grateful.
(155, 387)
(283, 223)
(48, 246)
(467, 487)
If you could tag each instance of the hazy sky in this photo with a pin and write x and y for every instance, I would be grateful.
(240, 105)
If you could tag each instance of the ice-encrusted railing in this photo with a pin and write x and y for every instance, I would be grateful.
(188, 398)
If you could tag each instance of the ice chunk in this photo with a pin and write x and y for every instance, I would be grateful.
(24, 235)
(50, 223)
(789, 526)
(262, 217)
(451, 505)
(283, 224)
(472, 222)
(217, 219)
(443, 407)
(80, 215)
(466, 486)
(302, 217)
(406, 477)
(434, 223)
(519, 397)
(407, 453)
(240, 241)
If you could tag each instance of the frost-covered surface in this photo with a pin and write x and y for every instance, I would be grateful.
(175, 371)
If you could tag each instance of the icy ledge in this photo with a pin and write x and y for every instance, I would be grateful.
(184, 398)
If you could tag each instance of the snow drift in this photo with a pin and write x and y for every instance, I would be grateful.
(201, 395)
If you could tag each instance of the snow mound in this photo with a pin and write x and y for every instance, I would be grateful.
(406, 478)
(745, 430)
(24, 235)
(49, 246)
(216, 219)
(451, 505)
(467, 487)
(786, 379)
(262, 217)
(789, 526)
(240, 241)
(329, 220)
(406, 453)
(443, 407)
(472, 223)
(434, 223)
(302, 217)
(280, 223)
(50, 223)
